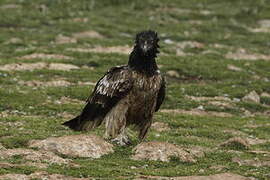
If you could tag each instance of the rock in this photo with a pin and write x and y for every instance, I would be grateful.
(168, 41)
(32, 155)
(236, 143)
(76, 145)
(163, 151)
(222, 176)
(234, 68)
(160, 126)
(173, 74)
(252, 97)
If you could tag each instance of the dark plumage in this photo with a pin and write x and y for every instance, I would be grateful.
(126, 95)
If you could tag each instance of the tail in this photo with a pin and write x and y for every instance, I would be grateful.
(91, 117)
(73, 123)
(78, 124)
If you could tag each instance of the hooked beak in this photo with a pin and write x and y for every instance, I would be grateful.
(145, 47)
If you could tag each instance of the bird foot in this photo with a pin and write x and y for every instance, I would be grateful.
(121, 140)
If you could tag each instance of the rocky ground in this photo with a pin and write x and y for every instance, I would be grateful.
(214, 123)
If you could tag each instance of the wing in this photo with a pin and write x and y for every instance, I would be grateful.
(161, 94)
(112, 87)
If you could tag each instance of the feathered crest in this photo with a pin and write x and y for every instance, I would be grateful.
(146, 35)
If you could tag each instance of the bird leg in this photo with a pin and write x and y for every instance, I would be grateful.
(122, 139)
(144, 129)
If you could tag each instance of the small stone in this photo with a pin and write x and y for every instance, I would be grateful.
(252, 97)
(168, 41)
(234, 68)
(60, 39)
(173, 74)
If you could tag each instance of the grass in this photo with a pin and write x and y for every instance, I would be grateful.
(32, 112)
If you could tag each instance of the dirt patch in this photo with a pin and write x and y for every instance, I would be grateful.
(63, 67)
(250, 162)
(160, 126)
(265, 153)
(236, 143)
(32, 155)
(264, 94)
(189, 44)
(255, 141)
(243, 54)
(235, 132)
(257, 125)
(67, 100)
(263, 26)
(114, 49)
(75, 145)
(181, 46)
(215, 98)
(10, 6)
(60, 39)
(35, 66)
(221, 104)
(251, 97)
(39, 175)
(234, 68)
(81, 20)
(86, 83)
(163, 151)
(197, 112)
(222, 176)
(14, 40)
(87, 34)
(45, 56)
(54, 83)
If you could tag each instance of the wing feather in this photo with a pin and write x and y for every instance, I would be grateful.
(161, 94)
(112, 87)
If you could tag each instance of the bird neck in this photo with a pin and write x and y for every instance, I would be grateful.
(142, 63)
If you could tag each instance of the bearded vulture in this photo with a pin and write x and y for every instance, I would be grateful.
(126, 95)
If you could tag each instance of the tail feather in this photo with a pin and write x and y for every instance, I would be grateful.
(91, 117)
(78, 125)
(73, 123)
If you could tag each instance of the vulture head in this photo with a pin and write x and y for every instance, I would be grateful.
(147, 43)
